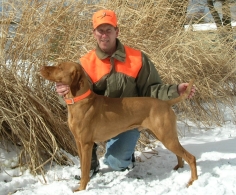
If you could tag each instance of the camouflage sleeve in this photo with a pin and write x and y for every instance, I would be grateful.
(150, 84)
(62, 101)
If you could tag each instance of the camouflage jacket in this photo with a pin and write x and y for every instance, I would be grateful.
(120, 83)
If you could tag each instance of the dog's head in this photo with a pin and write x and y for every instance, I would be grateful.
(65, 72)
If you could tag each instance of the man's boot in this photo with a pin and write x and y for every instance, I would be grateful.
(131, 166)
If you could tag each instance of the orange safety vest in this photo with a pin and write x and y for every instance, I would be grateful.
(97, 68)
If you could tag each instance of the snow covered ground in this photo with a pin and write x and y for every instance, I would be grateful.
(214, 148)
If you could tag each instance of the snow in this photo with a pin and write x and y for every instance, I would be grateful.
(214, 149)
(204, 27)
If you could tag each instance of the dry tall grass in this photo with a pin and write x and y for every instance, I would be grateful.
(48, 32)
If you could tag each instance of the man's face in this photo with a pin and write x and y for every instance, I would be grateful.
(106, 35)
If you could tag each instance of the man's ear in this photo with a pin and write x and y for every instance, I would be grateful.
(117, 31)
(94, 33)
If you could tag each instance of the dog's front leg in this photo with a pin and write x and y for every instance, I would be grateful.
(79, 150)
(85, 161)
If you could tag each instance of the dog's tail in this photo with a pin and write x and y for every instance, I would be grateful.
(183, 96)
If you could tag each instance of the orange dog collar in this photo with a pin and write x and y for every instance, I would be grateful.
(77, 98)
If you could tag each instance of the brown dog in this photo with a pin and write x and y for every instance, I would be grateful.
(94, 118)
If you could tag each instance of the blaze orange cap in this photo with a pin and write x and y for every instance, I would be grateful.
(104, 17)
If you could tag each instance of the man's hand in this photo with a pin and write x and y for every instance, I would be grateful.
(183, 86)
(62, 89)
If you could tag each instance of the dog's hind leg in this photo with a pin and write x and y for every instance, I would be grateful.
(180, 163)
(175, 147)
(191, 160)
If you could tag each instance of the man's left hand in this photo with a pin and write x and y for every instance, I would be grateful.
(183, 86)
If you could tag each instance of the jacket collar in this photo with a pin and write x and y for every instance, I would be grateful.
(119, 54)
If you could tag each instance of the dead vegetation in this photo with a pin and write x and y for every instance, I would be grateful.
(35, 33)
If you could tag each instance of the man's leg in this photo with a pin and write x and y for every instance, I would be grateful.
(214, 13)
(94, 162)
(119, 150)
(226, 19)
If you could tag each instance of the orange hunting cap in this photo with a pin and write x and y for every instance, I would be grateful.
(104, 17)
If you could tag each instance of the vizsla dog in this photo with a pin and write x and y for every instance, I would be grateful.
(95, 118)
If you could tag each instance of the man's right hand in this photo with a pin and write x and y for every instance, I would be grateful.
(62, 89)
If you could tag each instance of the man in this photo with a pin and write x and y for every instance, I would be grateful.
(226, 15)
(115, 70)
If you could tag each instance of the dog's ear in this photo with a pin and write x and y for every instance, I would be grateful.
(76, 80)
(76, 74)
